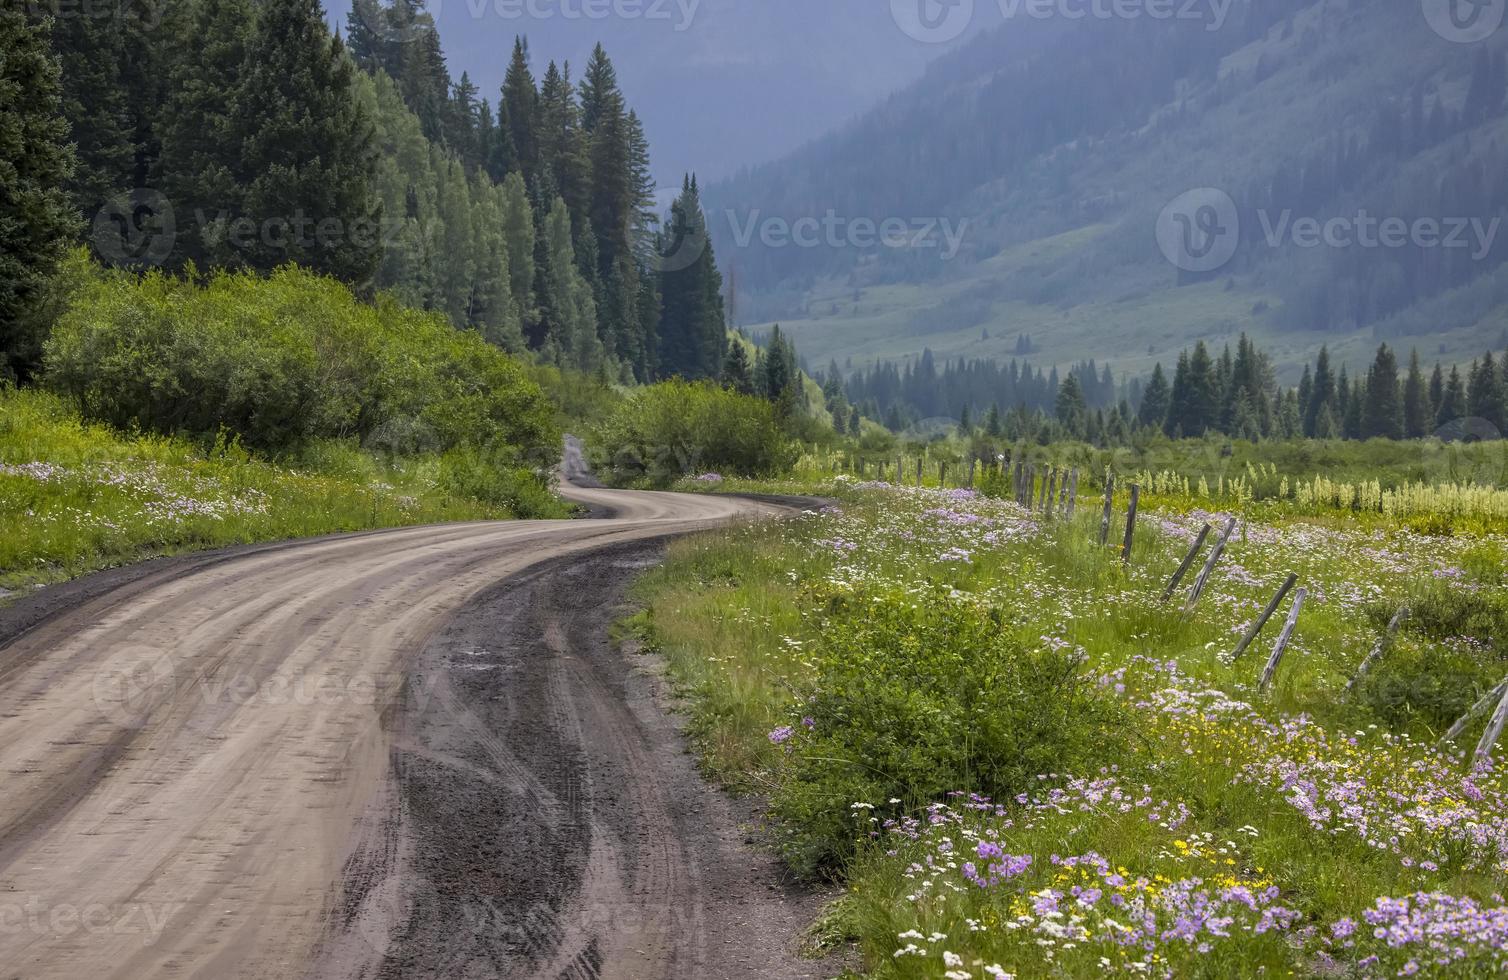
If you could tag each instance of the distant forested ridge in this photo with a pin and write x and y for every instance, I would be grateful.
(1234, 393)
(243, 135)
(1059, 142)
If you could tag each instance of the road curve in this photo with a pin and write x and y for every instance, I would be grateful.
(188, 760)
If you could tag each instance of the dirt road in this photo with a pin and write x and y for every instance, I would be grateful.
(361, 756)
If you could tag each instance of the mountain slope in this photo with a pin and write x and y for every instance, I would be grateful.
(1056, 145)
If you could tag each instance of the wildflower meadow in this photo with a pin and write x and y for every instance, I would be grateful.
(1023, 755)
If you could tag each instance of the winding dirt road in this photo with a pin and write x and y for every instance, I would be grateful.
(227, 766)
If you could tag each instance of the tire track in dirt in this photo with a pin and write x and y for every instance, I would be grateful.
(197, 755)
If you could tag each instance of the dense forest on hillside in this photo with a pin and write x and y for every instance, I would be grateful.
(1059, 141)
(242, 135)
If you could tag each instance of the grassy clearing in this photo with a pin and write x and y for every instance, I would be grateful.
(76, 497)
(855, 666)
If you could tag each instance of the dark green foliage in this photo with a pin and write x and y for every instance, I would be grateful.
(35, 214)
(919, 695)
(692, 327)
(679, 428)
(1382, 410)
(282, 360)
(304, 148)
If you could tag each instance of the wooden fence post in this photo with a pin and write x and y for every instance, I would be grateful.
(1188, 562)
(1052, 491)
(1209, 565)
(1109, 501)
(1131, 523)
(1494, 729)
(1073, 491)
(1272, 607)
(1283, 638)
(1475, 711)
(1383, 643)
(970, 484)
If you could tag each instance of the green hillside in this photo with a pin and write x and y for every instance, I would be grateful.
(1060, 144)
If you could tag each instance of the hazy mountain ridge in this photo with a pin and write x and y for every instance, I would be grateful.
(1060, 143)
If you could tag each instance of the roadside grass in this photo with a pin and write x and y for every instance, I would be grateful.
(77, 497)
(1301, 829)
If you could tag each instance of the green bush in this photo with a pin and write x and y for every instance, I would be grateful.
(922, 695)
(287, 359)
(473, 474)
(677, 428)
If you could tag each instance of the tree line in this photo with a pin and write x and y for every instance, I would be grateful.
(1235, 394)
(245, 135)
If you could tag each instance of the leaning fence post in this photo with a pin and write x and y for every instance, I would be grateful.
(1283, 638)
(1272, 607)
(1383, 643)
(1052, 491)
(1209, 565)
(1188, 562)
(1109, 500)
(1494, 729)
(1131, 523)
(1475, 711)
(1073, 490)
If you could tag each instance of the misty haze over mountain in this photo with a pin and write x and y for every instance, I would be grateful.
(720, 84)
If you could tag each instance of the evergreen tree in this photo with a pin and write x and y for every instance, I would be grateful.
(1382, 412)
(569, 313)
(1453, 404)
(198, 163)
(1418, 413)
(519, 111)
(306, 153)
(1436, 393)
(692, 329)
(737, 372)
(992, 422)
(91, 52)
(1323, 396)
(36, 216)
(1155, 400)
(1070, 408)
(1484, 392)
(1354, 425)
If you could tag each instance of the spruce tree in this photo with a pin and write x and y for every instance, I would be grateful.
(1484, 392)
(1418, 414)
(519, 111)
(306, 156)
(1453, 405)
(36, 216)
(200, 155)
(91, 52)
(1070, 408)
(1382, 411)
(692, 328)
(1322, 396)
(737, 372)
(1436, 393)
(1153, 412)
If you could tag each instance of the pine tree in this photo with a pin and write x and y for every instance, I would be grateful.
(199, 158)
(1153, 412)
(91, 52)
(992, 422)
(1436, 393)
(737, 372)
(1382, 412)
(692, 328)
(1418, 414)
(1484, 392)
(1070, 408)
(1453, 404)
(306, 153)
(519, 111)
(567, 307)
(36, 216)
(1323, 396)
